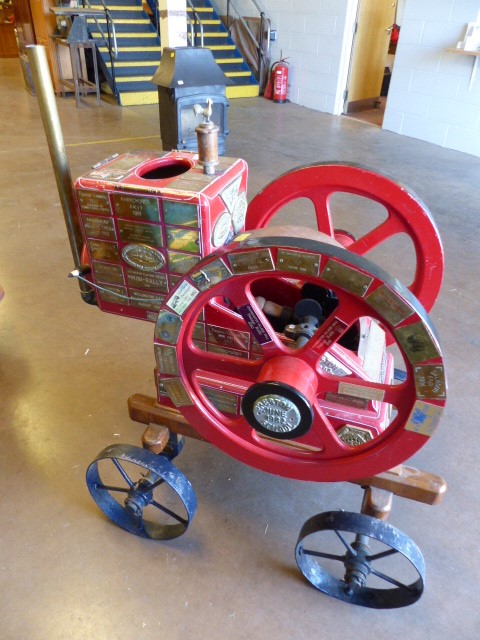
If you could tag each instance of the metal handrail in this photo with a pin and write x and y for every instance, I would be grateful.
(110, 27)
(262, 56)
(192, 23)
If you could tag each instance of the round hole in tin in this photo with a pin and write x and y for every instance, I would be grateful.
(160, 170)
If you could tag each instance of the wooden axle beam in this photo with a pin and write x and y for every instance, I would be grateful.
(403, 481)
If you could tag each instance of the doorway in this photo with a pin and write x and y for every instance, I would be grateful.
(372, 60)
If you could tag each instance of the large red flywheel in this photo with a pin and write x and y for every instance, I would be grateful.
(280, 350)
(405, 214)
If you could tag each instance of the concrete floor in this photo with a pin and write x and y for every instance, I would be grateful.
(67, 370)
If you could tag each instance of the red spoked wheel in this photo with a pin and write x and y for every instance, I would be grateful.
(406, 213)
(286, 391)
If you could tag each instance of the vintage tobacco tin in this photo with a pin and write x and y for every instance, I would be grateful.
(101, 228)
(298, 262)
(251, 261)
(168, 327)
(424, 418)
(239, 212)
(389, 305)
(166, 358)
(417, 343)
(140, 233)
(222, 229)
(346, 401)
(143, 257)
(354, 436)
(177, 392)
(230, 193)
(430, 381)
(94, 202)
(228, 351)
(346, 277)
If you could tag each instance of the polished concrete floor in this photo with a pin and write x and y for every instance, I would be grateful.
(66, 372)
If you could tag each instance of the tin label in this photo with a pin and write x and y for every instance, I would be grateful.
(181, 262)
(150, 281)
(106, 251)
(255, 325)
(117, 295)
(94, 202)
(166, 358)
(210, 274)
(168, 327)
(251, 261)
(331, 332)
(358, 391)
(239, 212)
(101, 228)
(183, 240)
(424, 418)
(228, 337)
(230, 193)
(136, 207)
(298, 262)
(177, 392)
(222, 230)
(182, 297)
(417, 343)
(145, 300)
(228, 351)
(140, 233)
(346, 400)
(430, 381)
(108, 273)
(346, 277)
(222, 400)
(389, 305)
(143, 257)
(183, 214)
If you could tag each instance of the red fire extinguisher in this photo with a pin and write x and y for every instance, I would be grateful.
(278, 81)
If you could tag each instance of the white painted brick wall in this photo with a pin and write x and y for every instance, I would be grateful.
(429, 96)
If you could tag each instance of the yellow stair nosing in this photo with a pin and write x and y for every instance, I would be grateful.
(132, 98)
(131, 49)
(237, 74)
(201, 9)
(144, 36)
(133, 78)
(215, 34)
(221, 47)
(229, 60)
(118, 8)
(208, 22)
(242, 91)
(133, 63)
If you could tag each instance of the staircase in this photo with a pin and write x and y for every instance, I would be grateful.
(139, 50)
(224, 50)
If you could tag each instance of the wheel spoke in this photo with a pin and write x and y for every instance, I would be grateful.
(383, 554)
(169, 512)
(321, 554)
(345, 543)
(208, 363)
(122, 472)
(390, 227)
(391, 580)
(320, 199)
(106, 487)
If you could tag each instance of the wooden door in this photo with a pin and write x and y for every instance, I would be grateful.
(370, 48)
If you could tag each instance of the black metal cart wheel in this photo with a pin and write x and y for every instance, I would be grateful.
(142, 492)
(360, 560)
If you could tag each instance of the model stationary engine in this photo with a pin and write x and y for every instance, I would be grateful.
(283, 346)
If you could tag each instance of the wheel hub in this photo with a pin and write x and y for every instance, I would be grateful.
(276, 413)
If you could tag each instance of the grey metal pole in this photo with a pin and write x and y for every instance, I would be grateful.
(53, 131)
